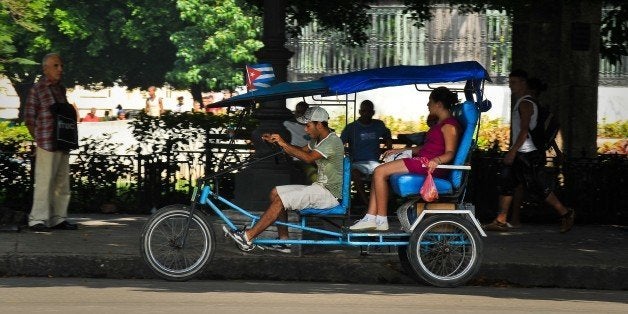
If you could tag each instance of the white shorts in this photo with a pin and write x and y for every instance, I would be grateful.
(297, 197)
(366, 167)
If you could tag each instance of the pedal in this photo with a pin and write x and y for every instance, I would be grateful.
(225, 231)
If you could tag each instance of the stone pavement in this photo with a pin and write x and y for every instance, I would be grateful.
(107, 246)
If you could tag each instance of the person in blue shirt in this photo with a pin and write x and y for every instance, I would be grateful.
(363, 139)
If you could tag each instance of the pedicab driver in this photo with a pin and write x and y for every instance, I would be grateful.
(326, 150)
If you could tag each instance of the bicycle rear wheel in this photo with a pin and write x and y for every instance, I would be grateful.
(162, 247)
(445, 250)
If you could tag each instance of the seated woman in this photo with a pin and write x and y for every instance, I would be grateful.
(440, 148)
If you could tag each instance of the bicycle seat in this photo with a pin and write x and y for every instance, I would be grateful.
(342, 208)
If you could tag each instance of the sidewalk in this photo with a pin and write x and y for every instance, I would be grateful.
(591, 257)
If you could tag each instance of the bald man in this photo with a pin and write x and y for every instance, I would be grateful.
(52, 170)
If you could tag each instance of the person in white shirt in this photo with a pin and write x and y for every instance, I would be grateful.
(154, 104)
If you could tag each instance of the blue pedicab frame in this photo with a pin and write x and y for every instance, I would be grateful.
(439, 242)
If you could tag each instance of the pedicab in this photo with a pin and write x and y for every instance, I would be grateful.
(439, 242)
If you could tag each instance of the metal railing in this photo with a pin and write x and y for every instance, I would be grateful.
(394, 40)
(594, 187)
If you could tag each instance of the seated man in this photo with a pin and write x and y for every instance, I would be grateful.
(326, 150)
(363, 136)
(299, 138)
(91, 116)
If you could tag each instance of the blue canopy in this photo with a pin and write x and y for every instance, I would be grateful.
(354, 82)
(358, 81)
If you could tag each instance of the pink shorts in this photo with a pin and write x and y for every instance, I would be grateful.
(414, 166)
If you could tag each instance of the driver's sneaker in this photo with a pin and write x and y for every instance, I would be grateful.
(283, 248)
(364, 224)
(240, 239)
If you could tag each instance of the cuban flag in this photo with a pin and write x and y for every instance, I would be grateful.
(259, 76)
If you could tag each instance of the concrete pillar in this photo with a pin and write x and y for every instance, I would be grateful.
(253, 185)
(579, 76)
(558, 42)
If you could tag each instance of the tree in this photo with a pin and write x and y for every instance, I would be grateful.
(350, 17)
(100, 42)
(218, 38)
(17, 18)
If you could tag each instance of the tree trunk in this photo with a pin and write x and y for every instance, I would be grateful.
(22, 90)
(196, 91)
(563, 51)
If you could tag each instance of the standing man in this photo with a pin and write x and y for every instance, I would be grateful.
(52, 168)
(326, 150)
(154, 104)
(363, 137)
(299, 138)
(524, 163)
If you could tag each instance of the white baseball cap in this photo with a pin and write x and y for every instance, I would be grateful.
(314, 114)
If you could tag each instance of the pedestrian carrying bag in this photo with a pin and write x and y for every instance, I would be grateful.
(429, 193)
(547, 125)
(65, 135)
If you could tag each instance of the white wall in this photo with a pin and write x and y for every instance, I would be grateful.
(404, 102)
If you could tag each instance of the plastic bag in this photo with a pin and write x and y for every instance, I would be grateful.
(429, 193)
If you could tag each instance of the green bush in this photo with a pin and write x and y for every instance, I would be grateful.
(618, 129)
(13, 137)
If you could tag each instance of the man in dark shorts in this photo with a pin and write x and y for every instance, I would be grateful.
(524, 163)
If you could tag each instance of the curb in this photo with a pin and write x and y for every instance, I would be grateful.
(362, 270)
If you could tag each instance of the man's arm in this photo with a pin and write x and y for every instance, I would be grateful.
(387, 137)
(303, 153)
(147, 108)
(30, 111)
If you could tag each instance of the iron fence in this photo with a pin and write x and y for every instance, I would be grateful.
(393, 39)
(134, 183)
(594, 187)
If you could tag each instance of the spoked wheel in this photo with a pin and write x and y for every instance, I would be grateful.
(162, 245)
(406, 266)
(445, 250)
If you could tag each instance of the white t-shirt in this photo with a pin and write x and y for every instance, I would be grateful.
(528, 145)
(153, 106)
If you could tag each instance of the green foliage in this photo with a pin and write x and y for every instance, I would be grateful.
(15, 181)
(12, 137)
(218, 38)
(15, 177)
(96, 171)
(19, 19)
(347, 16)
(618, 129)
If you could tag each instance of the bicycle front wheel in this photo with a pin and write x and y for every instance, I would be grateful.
(167, 252)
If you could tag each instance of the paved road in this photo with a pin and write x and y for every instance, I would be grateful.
(73, 295)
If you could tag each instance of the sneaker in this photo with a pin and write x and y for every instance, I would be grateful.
(279, 247)
(239, 238)
(363, 225)
(513, 226)
(496, 226)
(382, 226)
(566, 221)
